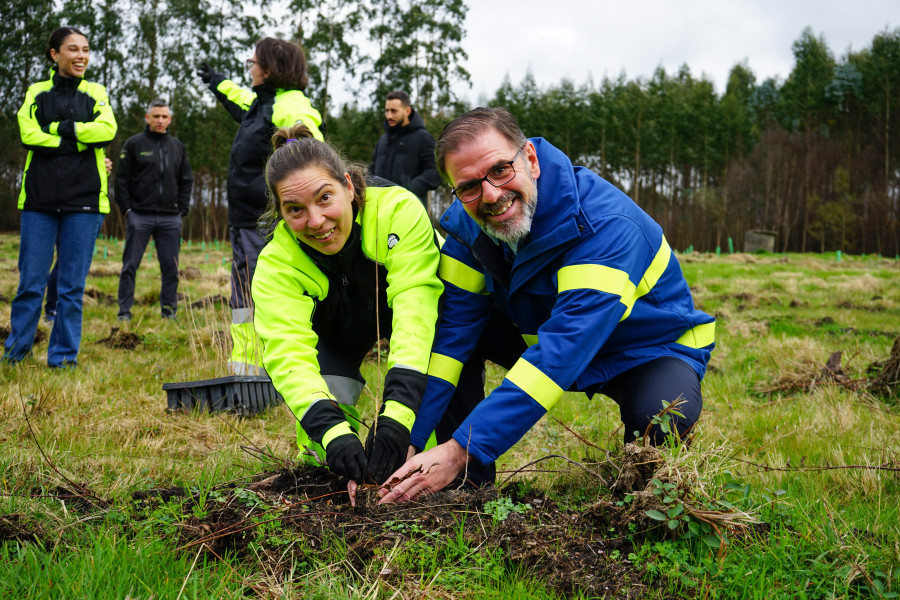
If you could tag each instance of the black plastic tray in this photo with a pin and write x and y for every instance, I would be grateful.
(240, 394)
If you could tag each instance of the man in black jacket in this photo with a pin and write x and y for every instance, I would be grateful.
(405, 153)
(153, 191)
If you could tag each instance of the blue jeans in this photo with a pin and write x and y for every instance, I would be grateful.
(76, 234)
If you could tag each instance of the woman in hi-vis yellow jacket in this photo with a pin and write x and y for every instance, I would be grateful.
(350, 260)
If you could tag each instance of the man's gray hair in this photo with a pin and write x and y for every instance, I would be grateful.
(465, 128)
(157, 103)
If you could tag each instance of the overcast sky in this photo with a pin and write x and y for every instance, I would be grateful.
(575, 38)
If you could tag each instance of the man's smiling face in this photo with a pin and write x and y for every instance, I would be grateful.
(505, 211)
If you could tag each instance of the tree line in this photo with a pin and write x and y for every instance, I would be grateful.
(812, 159)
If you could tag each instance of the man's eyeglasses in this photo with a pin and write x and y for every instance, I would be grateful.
(501, 174)
(251, 62)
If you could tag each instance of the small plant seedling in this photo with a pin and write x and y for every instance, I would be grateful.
(501, 508)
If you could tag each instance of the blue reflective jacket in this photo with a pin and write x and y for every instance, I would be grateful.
(594, 289)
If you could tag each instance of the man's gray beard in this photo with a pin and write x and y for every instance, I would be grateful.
(511, 233)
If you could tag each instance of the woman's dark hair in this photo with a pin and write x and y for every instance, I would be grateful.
(285, 62)
(296, 149)
(57, 38)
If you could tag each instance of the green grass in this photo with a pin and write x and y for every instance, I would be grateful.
(832, 533)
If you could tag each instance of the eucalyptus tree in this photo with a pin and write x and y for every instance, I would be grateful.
(24, 29)
(420, 51)
(328, 30)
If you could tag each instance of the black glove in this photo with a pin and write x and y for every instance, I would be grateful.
(386, 449)
(205, 71)
(66, 129)
(345, 456)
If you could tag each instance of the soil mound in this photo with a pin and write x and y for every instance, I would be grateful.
(125, 340)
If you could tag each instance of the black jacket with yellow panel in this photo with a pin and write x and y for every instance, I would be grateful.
(65, 122)
(301, 295)
(260, 112)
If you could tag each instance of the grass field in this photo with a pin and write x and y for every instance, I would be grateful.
(790, 489)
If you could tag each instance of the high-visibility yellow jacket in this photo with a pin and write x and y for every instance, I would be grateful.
(65, 122)
(301, 295)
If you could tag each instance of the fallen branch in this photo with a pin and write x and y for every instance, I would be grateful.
(80, 491)
(565, 458)
(802, 467)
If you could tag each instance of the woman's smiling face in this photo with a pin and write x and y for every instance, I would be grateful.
(318, 208)
(73, 55)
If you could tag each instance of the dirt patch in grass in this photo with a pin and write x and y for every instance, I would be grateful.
(100, 297)
(17, 528)
(216, 299)
(121, 339)
(573, 549)
(190, 273)
(884, 376)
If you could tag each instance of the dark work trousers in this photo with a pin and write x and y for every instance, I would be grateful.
(166, 233)
(246, 244)
(639, 392)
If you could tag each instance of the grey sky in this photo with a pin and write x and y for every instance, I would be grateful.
(574, 38)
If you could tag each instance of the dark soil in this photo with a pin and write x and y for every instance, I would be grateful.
(884, 376)
(100, 297)
(189, 273)
(40, 335)
(210, 301)
(118, 338)
(15, 527)
(573, 549)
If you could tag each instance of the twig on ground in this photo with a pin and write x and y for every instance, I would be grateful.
(580, 438)
(565, 458)
(802, 467)
(81, 491)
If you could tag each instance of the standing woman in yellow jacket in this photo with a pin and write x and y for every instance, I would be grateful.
(350, 259)
(65, 123)
(278, 77)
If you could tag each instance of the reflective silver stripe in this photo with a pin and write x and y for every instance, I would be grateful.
(242, 368)
(240, 316)
(346, 390)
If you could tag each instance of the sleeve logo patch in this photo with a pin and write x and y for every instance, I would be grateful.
(392, 240)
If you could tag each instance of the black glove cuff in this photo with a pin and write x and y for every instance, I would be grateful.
(405, 386)
(322, 416)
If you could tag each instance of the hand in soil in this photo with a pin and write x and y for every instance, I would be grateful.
(433, 470)
(351, 491)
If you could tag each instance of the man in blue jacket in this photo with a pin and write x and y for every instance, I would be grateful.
(597, 297)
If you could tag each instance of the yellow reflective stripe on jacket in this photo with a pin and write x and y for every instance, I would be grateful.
(461, 275)
(535, 383)
(400, 413)
(655, 270)
(614, 281)
(698, 337)
(598, 277)
(444, 367)
(530, 340)
(338, 430)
